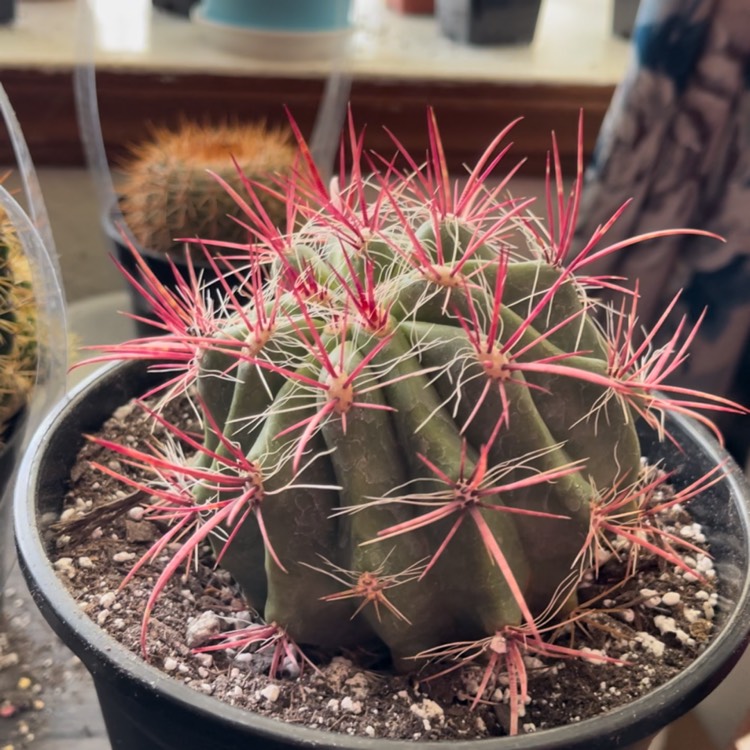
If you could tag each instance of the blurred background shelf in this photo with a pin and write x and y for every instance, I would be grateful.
(160, 69)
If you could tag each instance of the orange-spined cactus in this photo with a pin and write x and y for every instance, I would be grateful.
(168, 192)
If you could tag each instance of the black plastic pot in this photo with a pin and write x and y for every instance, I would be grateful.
(158, 264)
(146, 710)
(488, 21)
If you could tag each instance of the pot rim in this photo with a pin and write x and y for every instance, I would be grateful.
(631, 722)
(120, 235)
(125, 242)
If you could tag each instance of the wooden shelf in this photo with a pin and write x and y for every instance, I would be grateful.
(469, 114)
(400, 65)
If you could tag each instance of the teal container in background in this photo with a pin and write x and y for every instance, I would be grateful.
(279, 15)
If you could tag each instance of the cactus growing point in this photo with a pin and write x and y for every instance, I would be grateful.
(416, 432)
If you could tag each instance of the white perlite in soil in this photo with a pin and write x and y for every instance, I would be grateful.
(654, 625)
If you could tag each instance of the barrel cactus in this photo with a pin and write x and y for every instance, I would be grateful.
(416, 431)
(168, 195)
(18, 348)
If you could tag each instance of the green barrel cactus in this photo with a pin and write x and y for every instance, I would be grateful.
(416, 431)
(168, 193)
(18, 347)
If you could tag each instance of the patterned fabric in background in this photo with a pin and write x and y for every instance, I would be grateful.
(676, 139)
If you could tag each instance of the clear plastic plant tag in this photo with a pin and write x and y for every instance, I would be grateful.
(87, 109)
(330, 119)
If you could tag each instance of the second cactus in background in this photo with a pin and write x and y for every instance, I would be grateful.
(169, 193)
(488, 22)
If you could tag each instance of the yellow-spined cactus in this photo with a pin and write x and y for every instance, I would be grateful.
(169, 193)
(18, 347)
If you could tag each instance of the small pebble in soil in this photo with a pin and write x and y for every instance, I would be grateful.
(202, 628)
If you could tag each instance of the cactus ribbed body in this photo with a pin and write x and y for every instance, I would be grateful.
(382, 412)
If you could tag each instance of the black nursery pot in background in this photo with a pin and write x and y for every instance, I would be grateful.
(488, 21)
(146, 710)
(125, 254)
(179, 7)
(160, 267)
(7, 11)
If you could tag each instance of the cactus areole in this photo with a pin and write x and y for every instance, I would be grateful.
(416, 433)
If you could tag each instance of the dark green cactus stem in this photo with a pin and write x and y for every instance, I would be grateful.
(368, 463)
(296, 512)
(449, 244)
(465, 570)
(526, 283)
(323, 519)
